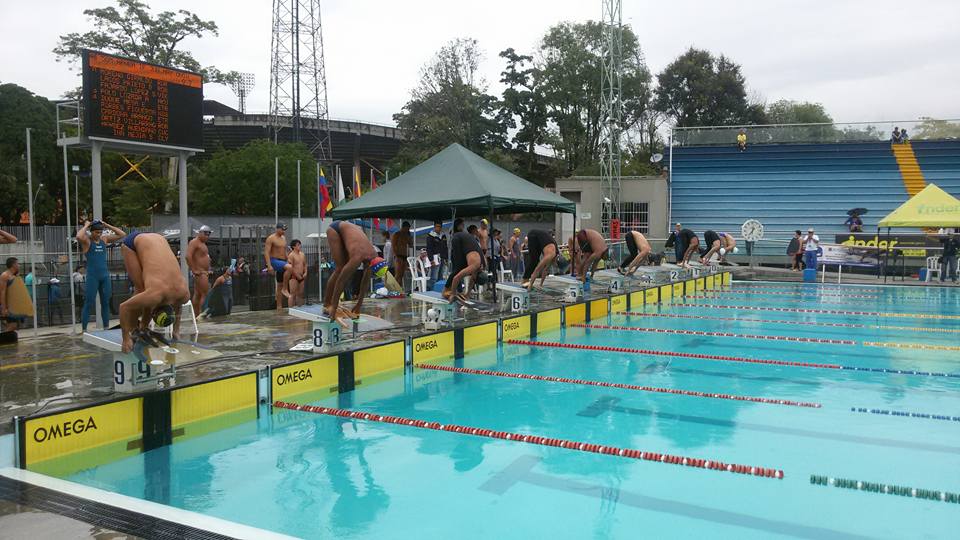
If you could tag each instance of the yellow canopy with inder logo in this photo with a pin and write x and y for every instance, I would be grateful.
(932, 208)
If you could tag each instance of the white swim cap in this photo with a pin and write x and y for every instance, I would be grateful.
(736, 250)
(723, 251)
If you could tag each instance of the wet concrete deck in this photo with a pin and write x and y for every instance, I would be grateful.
(56, 370)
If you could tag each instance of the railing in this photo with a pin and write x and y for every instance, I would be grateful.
(924, 129)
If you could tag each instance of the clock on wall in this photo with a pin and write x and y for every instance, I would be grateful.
(752, 230)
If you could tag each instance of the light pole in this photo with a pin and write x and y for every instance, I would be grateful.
(76, 190)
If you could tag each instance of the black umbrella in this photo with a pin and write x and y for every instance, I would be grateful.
(857, 211)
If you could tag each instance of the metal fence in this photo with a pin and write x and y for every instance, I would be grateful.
(926, 129)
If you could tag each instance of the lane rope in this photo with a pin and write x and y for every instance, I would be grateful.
(921, 346)
(814, 310)
(730, 358)
(805, 287)
(693, 393)
(712, 464)
(797, 323)
(906, 414)
(798, 293)
(714, 334)
(886, 489)
(812, 300)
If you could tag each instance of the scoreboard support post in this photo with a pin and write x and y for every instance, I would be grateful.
(96, 150)
(184, 224)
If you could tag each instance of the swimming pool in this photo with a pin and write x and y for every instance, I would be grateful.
(851, 392)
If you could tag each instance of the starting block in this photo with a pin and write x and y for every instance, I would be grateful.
(435, 310)
(326, 331)
(131, 371)
(519, 296)
(614, 279)
(572, 287)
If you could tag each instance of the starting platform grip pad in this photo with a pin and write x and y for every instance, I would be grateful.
(519, 297)
(572, 287)
(435, 310)
(326, 331)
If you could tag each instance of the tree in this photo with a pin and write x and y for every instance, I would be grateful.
(698, 89)
(450, 104)
(786, 111)
(930, 128)
(568, 67)
(131, 30)
(241, 181)
(21, 109)
(523, 101)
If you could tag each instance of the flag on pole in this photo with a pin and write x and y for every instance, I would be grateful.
(357, 190)
(373, 186)
(340, 195)
(325, 203)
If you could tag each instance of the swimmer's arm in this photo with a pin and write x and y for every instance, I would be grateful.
(118, 233)
(266, 255)
(191, 254)
(132, 310)
(3, 291)
(82, 236)
(364, 284)
(7, 238)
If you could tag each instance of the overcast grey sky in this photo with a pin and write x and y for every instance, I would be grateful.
(863, 59)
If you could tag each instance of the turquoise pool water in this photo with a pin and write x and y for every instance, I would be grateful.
(317, 476)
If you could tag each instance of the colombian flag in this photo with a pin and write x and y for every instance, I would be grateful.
(357, 192)
(325, 203)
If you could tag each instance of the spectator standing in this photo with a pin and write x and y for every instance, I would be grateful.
(742, 140)
(387, 251)
(435, 241)
(401, 242)
(948, 260)
(53, 300)
(795, 253)
(514, 257)
(811, 243)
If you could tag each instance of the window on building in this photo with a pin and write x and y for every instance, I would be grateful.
(635, 216)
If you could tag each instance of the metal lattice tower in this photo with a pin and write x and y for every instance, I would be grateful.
(612, 111)
(298, 80)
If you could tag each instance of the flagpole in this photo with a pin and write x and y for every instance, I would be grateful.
(319, 239)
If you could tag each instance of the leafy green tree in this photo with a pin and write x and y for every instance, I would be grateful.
(523, 106)
(698, 89)
(786, 111)
(241, 181)
(930, 128)
(448, 105)
(131, 30)
(21, 109)
(568, 67)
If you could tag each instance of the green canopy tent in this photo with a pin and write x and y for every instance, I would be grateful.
(454, 182)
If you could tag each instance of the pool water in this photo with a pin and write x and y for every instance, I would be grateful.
(317, 476)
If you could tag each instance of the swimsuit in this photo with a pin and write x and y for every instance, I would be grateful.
(128, 240)
(98, 282)
(632, 248)
(461, 244)
(336, 226)
(278, 266)
(537, 240)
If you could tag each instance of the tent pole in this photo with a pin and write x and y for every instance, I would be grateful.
(493, 271)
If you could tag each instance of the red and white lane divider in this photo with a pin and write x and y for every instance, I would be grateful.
(814, 310)
(715, 334)
(800, 287)
(797, 323)
(677, 354)
(715, 465)
(798, 293)
(676, 391)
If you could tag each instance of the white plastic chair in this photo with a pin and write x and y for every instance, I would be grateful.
(168, 331)
(504, 273)
(933, 265)
(417, 272)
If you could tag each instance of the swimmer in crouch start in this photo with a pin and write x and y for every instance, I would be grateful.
(159, 287)
(466, 261)
(639, 251)
(591, 248)
(350, 249)
(721, 243)
(542, 249)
